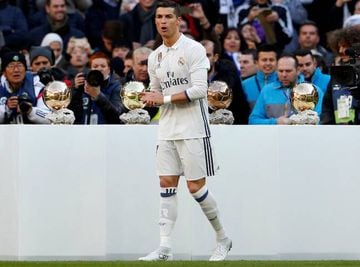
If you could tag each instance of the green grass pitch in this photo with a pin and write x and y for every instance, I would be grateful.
(181, 264)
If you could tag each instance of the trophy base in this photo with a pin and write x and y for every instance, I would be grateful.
(61, 116)
(305, 117)
(221, 116)
(136, 116)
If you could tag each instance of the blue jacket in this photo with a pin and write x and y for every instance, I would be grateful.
(31, 89)
(13, 25)
(274, 102)
(253, 85)
(320, 79)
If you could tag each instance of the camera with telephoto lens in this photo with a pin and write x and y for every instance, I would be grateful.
(348, 74)
(24, 102)
(345, 87)
(95, 78)
(45, 75)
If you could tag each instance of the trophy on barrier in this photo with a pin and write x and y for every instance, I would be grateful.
(57, 97)
(219, 99)
(130, 96)
(304, 97)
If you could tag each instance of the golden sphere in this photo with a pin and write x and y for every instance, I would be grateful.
(56, 95)
(130, 95)
(304, 96)
(219, 95)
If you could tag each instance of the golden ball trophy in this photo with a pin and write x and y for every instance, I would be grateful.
(219, 99)
(57, 97)
(130, 97)
(304, 97)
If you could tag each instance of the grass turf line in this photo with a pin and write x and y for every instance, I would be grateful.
(180, 264)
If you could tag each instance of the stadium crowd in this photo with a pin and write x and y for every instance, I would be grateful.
(44, 40)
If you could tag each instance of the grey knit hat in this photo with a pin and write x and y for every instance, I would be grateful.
(44, 51)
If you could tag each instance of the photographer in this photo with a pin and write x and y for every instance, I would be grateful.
(41, 57)
(341, 101)
(20, 93)
(96, 97)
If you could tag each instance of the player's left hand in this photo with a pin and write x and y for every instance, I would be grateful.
(152, 98)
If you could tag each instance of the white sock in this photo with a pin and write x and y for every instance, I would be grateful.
(168, 215)
(209, 207)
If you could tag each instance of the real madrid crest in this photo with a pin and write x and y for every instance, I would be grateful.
(181, 61)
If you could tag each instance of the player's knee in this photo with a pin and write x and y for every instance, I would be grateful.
(168, 181)
(195, 186)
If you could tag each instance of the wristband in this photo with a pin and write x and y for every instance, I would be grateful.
(167, 99)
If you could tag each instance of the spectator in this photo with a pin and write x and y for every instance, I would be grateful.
(127, 5)
(81, 5)
(308, 68)
(140, 66)
(341, 104)
(231, 46)
(274, 105)
(76, 19)
(339, 12)
(228, 12)
(199, 16)
(309, 39)
(20, 93)
(275, 21)
(97, 104)
(57, 22)
(224, 70)
(266, 59)
(252, 39)
(96, 17)
(120, 48)
(297, 11)
(139, 24)
(248, 65)
(54, 41)
(113, 35)
(128, 63)
(355, 18)
(79, 51)
(13, 26)
(41, 57)
(298, 15)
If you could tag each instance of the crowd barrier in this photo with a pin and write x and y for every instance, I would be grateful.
(91, 192)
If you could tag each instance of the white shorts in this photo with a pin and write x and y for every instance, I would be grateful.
(193, 158)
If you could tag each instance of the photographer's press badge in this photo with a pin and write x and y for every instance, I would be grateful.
(344, 104)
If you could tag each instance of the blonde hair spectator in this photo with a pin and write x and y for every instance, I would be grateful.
(82, 43)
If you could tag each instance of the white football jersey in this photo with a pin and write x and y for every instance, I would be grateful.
(182, 67)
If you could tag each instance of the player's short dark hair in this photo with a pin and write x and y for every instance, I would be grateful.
(171, 4)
